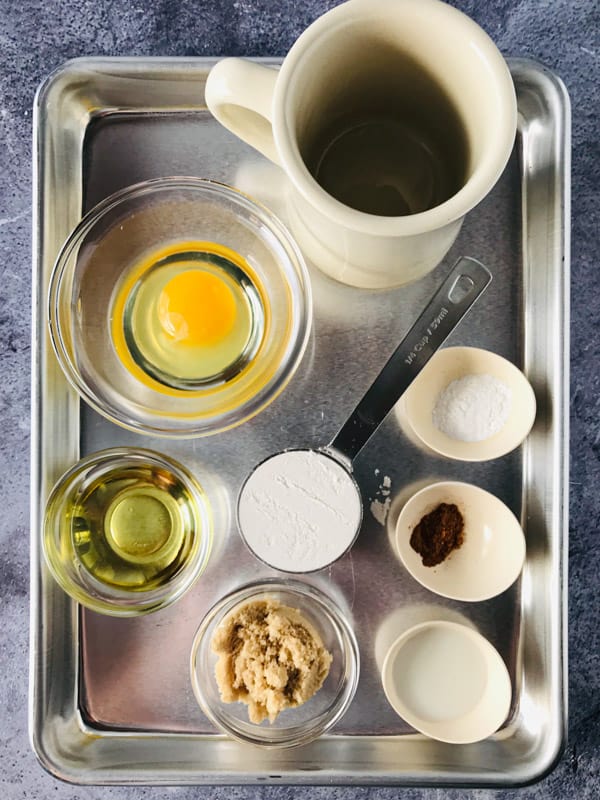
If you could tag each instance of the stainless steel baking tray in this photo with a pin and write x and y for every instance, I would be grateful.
(110, 699)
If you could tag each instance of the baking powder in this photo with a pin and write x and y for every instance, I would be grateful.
(299, 511)
(472, 408)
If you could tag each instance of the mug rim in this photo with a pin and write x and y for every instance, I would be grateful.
(479, 183)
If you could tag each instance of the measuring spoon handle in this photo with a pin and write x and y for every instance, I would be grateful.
(465, 283)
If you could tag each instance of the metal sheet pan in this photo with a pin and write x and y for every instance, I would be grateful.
(110, 700)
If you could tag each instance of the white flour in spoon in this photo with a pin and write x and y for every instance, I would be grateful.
(299, 511)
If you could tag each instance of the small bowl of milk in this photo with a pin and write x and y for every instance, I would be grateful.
(448, 682)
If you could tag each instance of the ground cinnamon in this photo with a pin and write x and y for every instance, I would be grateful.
(438, 534)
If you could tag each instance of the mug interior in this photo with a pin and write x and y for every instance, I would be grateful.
(394, 108)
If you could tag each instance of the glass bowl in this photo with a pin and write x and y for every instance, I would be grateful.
(293, 726)
(127, 531)
(121, 350)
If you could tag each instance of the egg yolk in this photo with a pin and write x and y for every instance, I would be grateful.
(197, 308)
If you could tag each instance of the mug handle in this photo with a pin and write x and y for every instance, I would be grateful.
(239, 94)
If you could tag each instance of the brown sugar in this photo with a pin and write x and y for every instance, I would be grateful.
(270, 657)
(438, 534)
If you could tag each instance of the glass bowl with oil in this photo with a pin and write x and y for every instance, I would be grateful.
(179, 307)
(127, 531)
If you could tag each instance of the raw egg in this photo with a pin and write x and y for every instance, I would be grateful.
(189, 316)
(197, 308)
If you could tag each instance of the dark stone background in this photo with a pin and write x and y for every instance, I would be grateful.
(38, 35)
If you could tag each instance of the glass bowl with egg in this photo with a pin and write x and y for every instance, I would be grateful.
(275, 664)
(179, 307)
(127, 531)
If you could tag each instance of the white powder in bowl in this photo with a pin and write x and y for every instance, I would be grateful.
(472, 408)
(299, 511)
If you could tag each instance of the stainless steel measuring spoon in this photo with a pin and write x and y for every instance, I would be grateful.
(300, 510)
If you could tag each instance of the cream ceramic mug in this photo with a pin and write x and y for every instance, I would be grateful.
(391, 119)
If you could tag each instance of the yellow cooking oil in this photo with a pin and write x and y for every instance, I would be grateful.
(133, 528)
(189, 316)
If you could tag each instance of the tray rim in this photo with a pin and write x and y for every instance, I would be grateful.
(49, 749)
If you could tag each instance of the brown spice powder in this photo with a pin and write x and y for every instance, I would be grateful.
(438, 534)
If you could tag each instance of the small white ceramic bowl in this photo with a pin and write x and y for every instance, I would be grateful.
(452, 363)
(448, 682)
(491, 556)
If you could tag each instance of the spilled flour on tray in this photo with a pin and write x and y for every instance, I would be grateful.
(380, 505)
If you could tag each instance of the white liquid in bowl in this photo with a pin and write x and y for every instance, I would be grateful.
(447, 681)
(440, 676)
